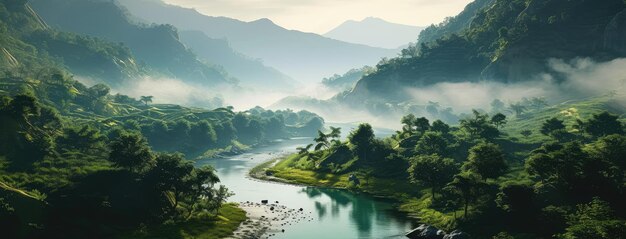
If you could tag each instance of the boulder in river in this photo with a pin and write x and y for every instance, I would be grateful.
(457, 235)
(425, 232)
(264, 201)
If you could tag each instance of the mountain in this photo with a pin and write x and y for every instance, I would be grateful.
(250, 72)
(348, 79)
(157, 46)
(502, 41)
(29, 46)
(375, 32)
(455, 24)
(304, 56)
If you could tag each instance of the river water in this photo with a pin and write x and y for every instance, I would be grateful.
(337, 213)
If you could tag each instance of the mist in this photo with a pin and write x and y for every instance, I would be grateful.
(565, 80)
(575, 79)
(175, 91)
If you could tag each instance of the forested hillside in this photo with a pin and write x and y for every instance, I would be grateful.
(157, 47)
(81, 162)
(501, 41)
(544, 172)
(28, 43)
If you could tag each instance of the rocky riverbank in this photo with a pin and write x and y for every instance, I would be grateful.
(266, 220)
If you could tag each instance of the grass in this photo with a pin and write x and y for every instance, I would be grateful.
(412, 199)
(203, 227)
(568, 111)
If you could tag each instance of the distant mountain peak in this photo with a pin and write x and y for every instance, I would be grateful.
(373, 19)
(376, 32)
(264, 21)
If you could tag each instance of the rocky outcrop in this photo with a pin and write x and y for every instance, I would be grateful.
(425, 231)
(456, 235)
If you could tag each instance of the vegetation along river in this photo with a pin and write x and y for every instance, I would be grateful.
(336, 213)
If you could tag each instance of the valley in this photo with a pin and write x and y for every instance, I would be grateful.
(157, 119)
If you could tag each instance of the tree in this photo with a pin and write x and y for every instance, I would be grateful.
(431, 143)
(321, 140)
(220, 196)
(131, 151)
(202, 133)
(486, 160)
(170, 173)
(498, 120)
(27, 130)
(468, 186)
(441, 127)
(226, 133)
(409, 122)
(433, 171)
(362, 138)
(146, 99)
(304, 151)
(602, 124)
(594, 220)
(180, 130)
(85, 138)
(552, 127)
(200, 194)
(422, 124)
(327, 140)
(611, 148)
(478, 126)
(557, 163)
(335, 135)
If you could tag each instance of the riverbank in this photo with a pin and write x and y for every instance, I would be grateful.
(229, 219)
(411, 199)
(265, 220)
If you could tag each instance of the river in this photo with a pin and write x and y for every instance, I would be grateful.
(337, 213)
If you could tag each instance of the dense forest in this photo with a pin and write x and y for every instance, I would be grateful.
(79, 159)
(156, 47)
(501, 41)
(549, 172)
(109, 165)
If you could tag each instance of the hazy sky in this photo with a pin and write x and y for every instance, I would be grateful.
(320, 16)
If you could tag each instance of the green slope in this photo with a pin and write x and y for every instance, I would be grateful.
(158, 47)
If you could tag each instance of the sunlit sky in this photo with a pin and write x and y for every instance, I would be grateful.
(320, 16)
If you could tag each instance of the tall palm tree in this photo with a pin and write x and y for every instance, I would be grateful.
(146, 99)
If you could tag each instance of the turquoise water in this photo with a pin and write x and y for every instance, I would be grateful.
(337, 213)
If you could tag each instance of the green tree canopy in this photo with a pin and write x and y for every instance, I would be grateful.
(433, 171)
(131, 151)
(362, 139)
(486, 160)
(431, 143)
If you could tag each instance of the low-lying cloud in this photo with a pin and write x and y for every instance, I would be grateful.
(574, 79)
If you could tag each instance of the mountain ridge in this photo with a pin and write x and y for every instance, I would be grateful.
(375, 32)
(306, 57)
(500, 41)
(157, 46)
